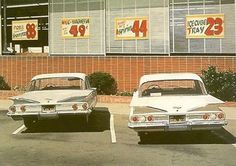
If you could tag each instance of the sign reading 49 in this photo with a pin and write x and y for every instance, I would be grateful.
(205, 26)
(75, 27)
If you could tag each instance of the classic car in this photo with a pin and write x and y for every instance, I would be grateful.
(51, 96)
(174, 102)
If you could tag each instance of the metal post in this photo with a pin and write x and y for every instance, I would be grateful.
(5, 26)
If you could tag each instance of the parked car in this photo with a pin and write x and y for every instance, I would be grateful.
(52, 96)
(174, 102)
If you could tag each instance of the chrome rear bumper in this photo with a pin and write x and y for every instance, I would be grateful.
(187, 126)
(47, 115)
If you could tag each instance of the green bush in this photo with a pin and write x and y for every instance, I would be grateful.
(220, 84)
(124, 94)
(3, 84)
(104, 82)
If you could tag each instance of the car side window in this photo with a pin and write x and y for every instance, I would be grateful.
(87, 84)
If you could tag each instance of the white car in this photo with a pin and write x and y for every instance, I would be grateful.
(51, 96)
(174, 102)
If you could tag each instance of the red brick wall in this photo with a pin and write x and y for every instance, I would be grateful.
(18, 70)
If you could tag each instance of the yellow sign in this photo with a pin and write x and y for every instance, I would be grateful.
(75, 27)
(25, 30)
(131, 28)
(205, 26)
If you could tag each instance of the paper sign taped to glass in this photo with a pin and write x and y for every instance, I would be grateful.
(130, 28)
(205, 26)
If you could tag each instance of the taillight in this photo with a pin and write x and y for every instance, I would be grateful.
(205, 117)
(150, 118)
(22, 108)
(138, 118)
(135, 119)
(12, 108)
(85, 106)
(221, 116)
(75, 107)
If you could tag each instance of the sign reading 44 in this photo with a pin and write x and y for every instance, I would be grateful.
(131, 28)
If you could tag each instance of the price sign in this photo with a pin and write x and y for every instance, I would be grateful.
(205, 26)
(25, 30)
(75, 27)
(131, 28)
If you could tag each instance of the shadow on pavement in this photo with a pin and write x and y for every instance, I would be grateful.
(98, 121)
(194, 137)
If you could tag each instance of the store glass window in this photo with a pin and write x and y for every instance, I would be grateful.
(77, 27)
(137, 26)
(218, 35)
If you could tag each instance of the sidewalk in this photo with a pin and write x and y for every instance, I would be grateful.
(5, 104)
(122, 108)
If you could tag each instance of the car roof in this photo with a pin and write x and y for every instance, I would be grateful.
(60, 75)
(169, 76)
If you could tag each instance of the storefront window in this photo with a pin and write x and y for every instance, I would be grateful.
(146, 23)
(222, 21)
(77, 27)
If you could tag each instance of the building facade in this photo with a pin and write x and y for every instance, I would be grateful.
(130, 38)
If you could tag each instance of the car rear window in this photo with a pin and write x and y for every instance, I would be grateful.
(57, 84)
(172, 87)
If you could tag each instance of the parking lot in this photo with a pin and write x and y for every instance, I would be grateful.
(68, 143)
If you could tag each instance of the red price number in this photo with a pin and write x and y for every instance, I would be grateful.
(74, 30)
(215, 26)
(31, 32)
(137, 28)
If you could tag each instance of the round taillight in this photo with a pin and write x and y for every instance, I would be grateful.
(75, 107)
(12, 108)
(221, 116)
(135, 119)
(150, 118)
(85, 106)
(22, 108)
(205, 117)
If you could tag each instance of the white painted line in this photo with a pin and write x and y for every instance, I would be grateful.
(112, 129)
(18, 130)
(234, 145)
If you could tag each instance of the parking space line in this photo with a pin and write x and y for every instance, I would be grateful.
(112, 129)
(234, 145)
(18, 130)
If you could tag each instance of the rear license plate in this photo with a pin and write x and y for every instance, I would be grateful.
(176, 127)
(176, 119)
(48, 108)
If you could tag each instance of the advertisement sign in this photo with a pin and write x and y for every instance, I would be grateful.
(25, 30)
(205, 26)
(131, 28)
(75, 27)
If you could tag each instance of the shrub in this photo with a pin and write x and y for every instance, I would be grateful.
(3, 84)
(104, 82)
(124, 94)
(220, 84)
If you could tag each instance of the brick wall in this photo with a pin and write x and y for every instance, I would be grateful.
(18, 70)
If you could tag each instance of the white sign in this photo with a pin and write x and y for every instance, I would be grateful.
(25, 30)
